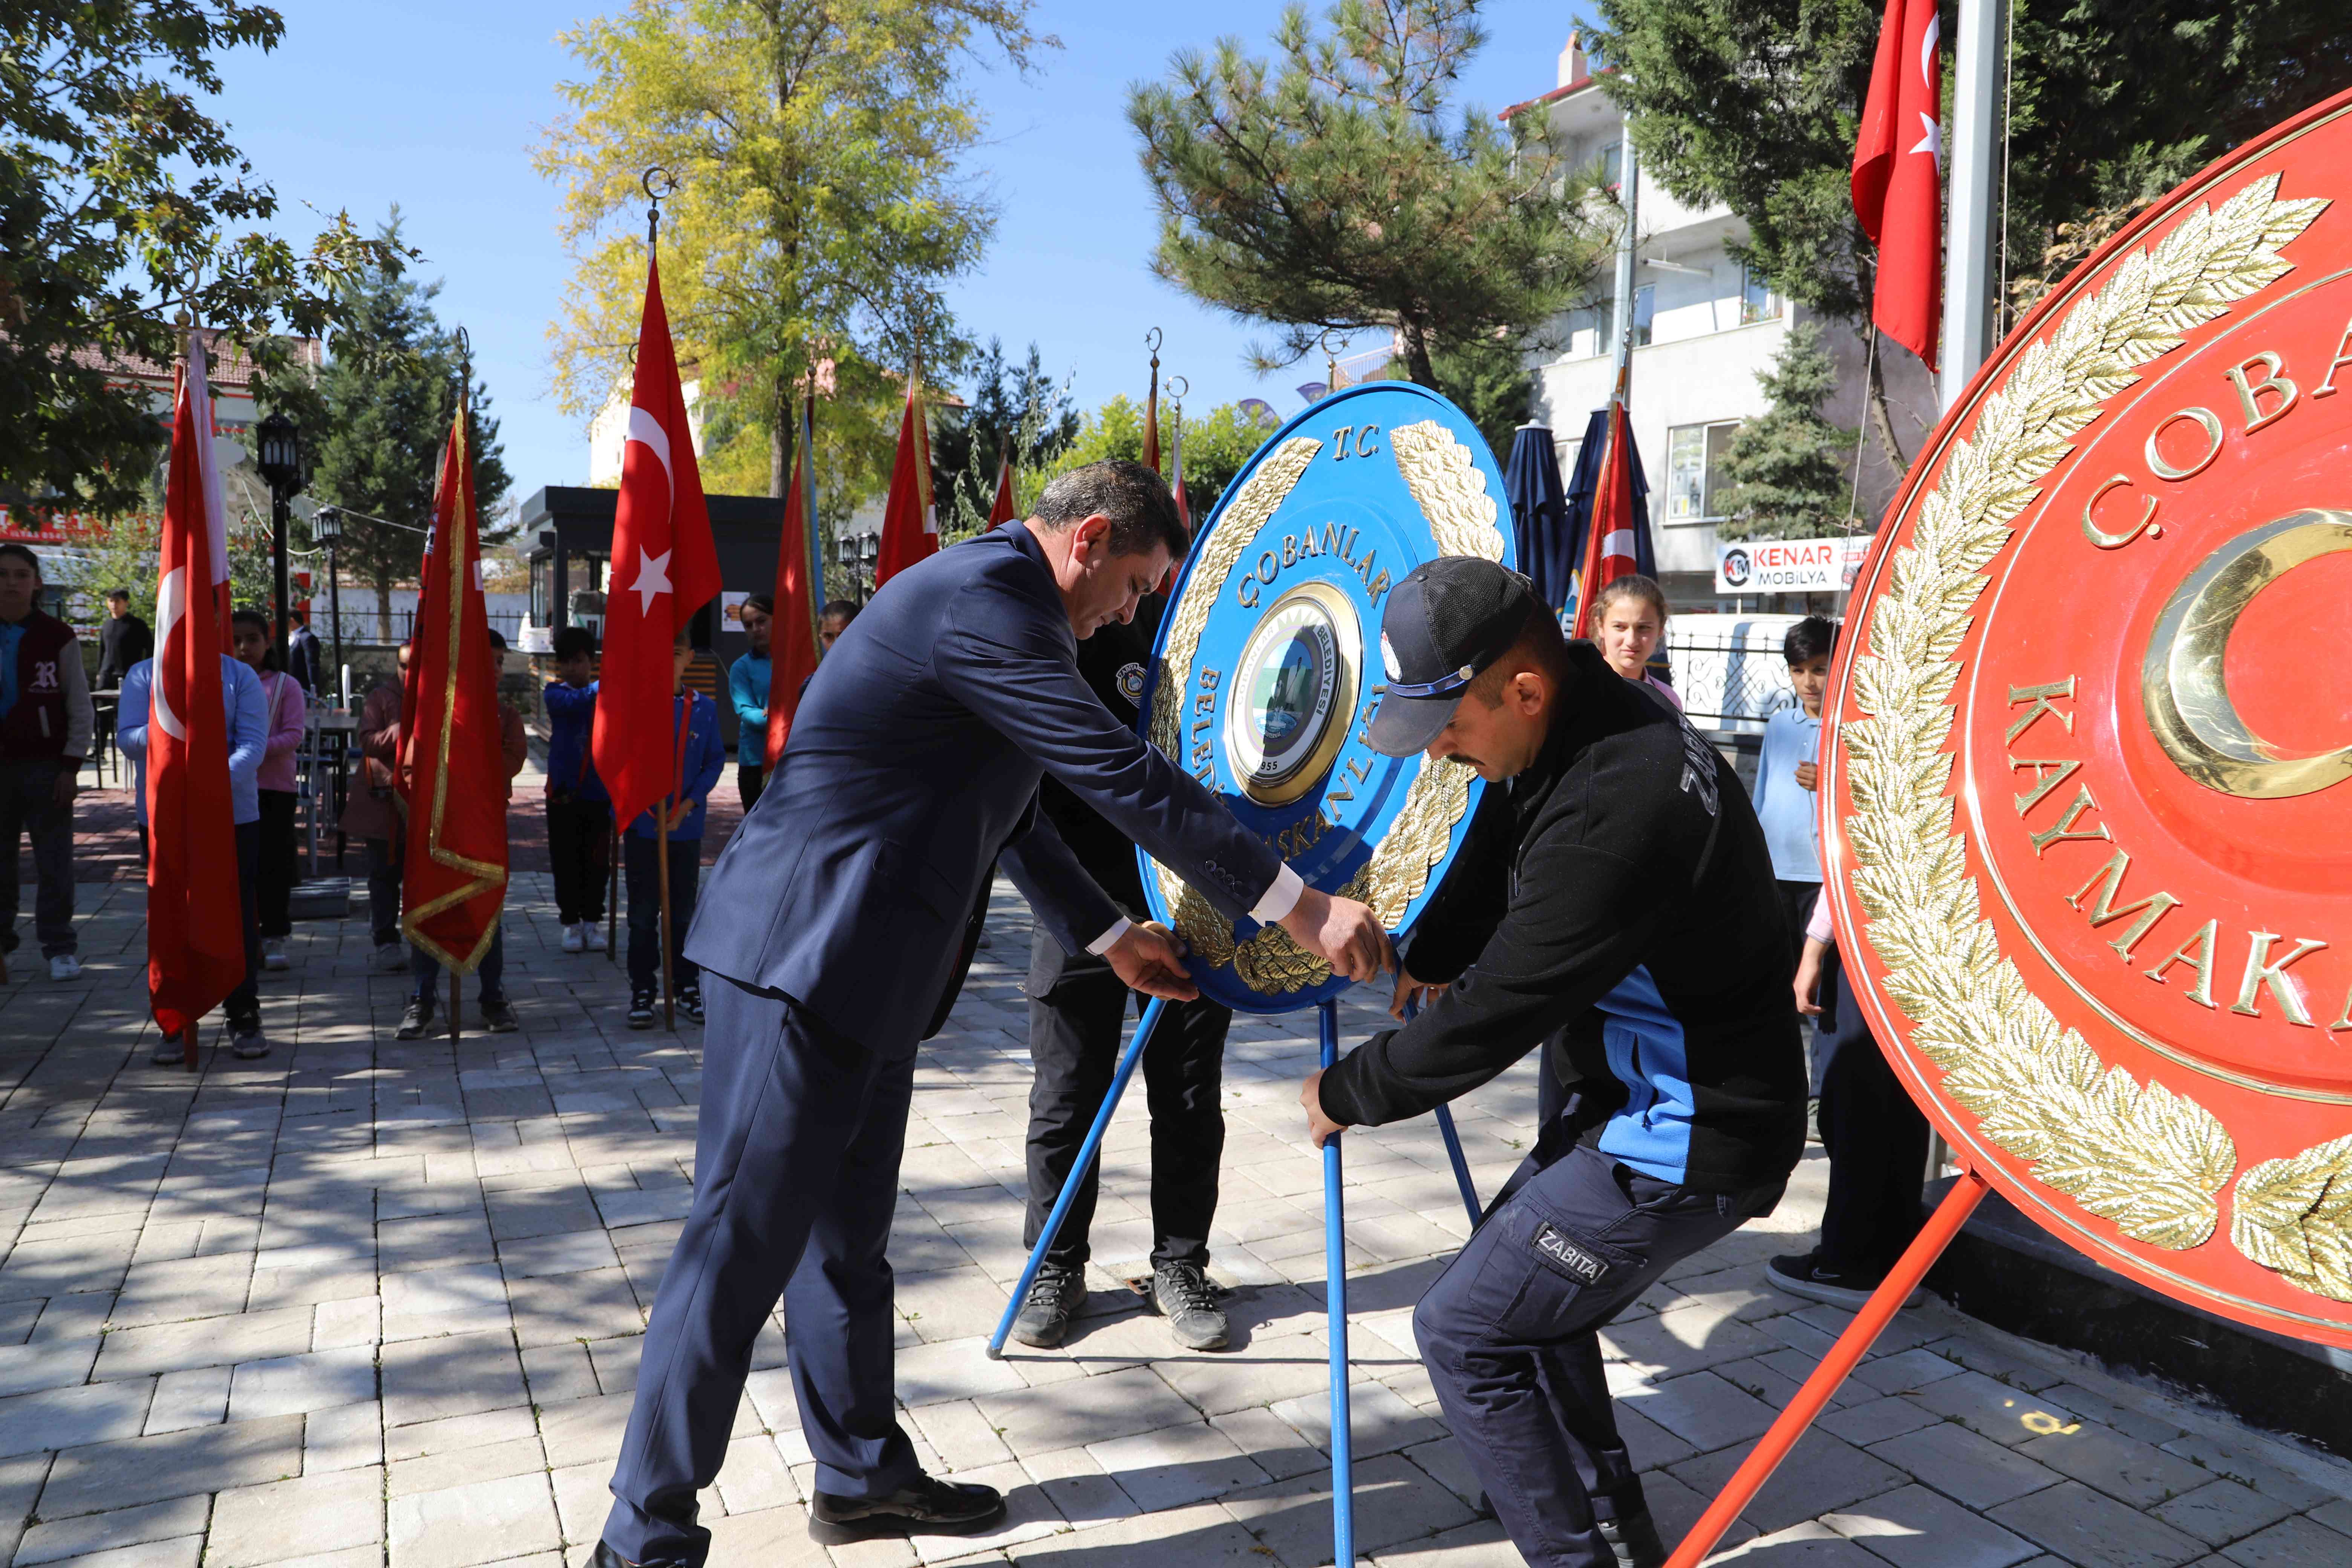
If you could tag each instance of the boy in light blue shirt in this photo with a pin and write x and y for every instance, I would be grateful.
(1787, 774)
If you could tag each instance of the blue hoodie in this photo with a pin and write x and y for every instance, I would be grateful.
(699, 770)
(571, 718)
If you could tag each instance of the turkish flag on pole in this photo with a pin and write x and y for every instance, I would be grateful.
(792, 649)
(1610, 538)
(1002, 510)
(196, 928)
(665, 568)
(1898, 175)
(910, 527)
(454, 878)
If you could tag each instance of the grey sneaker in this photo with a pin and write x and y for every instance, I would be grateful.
(390, 958)
(1634, 1541)
(1181, 1293)
(246, 1039)
(1054, 1298)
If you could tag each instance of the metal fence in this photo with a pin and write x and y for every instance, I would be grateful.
(364, 626)
(1737, 681)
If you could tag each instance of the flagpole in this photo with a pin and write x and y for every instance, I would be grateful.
(661, 850)
(1967, 259)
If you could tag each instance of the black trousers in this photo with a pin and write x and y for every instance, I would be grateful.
(1077, 1007)
(1797, 904)
(795, 1177)
(383, 872)
(580, 852)
(639, 866)
(749, 780)
(1509, 1334)
(277, 862)
(1875, 1138)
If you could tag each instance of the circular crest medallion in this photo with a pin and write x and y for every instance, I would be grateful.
(1260, 685)
(2090, 799)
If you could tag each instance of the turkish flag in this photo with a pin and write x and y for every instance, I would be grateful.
(1176, 465)
(665, 568)
(1002, 510)
(793, 647)
(1610, 539)
(910, 527)
(454, 880)
(195, 924)
(1898, 175)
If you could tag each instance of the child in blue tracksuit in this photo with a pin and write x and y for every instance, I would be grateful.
(1787, 777)
(703, 757)
(747, 688)
(579, 812)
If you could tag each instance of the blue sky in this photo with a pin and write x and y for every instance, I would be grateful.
(435, 105)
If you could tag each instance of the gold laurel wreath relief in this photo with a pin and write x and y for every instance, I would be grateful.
(1445, 482)
(2152, 1162)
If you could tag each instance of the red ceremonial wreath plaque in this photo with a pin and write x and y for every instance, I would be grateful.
(2087, 810)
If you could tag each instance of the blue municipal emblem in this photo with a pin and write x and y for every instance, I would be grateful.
(1268, 668)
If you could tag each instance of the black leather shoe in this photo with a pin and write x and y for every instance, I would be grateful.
(924, 1506)
(1635, 1540)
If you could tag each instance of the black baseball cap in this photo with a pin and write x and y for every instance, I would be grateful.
(1446, 621)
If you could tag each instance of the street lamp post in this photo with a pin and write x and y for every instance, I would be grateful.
(327, 528)
(278, 460)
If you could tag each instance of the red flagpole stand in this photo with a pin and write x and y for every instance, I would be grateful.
(1851, 1347)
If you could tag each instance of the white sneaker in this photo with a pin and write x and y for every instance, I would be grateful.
(573, 942)
(391, 958)
(65, 966)
(595, 937)
(273, 952)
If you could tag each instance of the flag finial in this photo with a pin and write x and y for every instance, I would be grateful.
(652, 213)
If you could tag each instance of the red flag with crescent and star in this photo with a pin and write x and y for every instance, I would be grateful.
(793, 650)
(1610, 541)
(196, 941)
(453, 877)
(665, 568)
(910, 527)
(1002, 510)
(1898, 175)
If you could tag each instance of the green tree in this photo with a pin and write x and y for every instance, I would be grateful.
(1755, 104)
(1787, 467)
(1338, 188)
(821, 205)
(377, 418)
(123, 207)
(1014, 409)
(1216, 445)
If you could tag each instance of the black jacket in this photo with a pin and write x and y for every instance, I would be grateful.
(122, 641)
(1620, 887)
(1114, 662)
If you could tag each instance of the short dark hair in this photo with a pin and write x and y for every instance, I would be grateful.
(25, 553)
(1142, 509)
(575, 642)
(1811, 638)
(760, 602)
(845, 608)
(1540, 644)
(497, 639)
(245, 615)
(121, 594)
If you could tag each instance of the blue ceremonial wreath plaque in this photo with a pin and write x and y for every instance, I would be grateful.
(1268, 668)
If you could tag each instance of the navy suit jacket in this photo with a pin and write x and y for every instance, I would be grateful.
(913, 764)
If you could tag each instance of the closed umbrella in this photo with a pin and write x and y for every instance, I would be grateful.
(1539, 513)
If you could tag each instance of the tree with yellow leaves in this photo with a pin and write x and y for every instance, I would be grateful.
(819, 211)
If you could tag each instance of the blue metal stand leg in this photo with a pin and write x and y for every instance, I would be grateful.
(1335, 1301)
(1079, 1169)
(1461, 1166)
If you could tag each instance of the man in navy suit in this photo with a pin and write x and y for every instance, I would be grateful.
(830, 933)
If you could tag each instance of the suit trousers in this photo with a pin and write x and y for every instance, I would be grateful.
(1875, 1138)
(1077, 1007)
(1509, 1334)
(795, 1175)
(580, 853)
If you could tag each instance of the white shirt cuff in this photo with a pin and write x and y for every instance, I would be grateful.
(1280, 899)
(1109, 938)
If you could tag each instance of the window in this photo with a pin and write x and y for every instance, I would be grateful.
(1612, 163)
(1645, 307)
(1694, 478)
(1757, 301)
(1567, 453)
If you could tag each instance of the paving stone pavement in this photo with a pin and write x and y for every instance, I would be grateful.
(373, 1303)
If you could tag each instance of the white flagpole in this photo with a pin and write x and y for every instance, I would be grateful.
(1969, 205)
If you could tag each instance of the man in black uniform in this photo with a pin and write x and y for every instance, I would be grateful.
(122, 641)
(1076, 1005)
(1617, 885)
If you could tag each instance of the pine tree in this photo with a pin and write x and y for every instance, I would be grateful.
(1787, 467)
(1338, 188)
(1013, 409)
